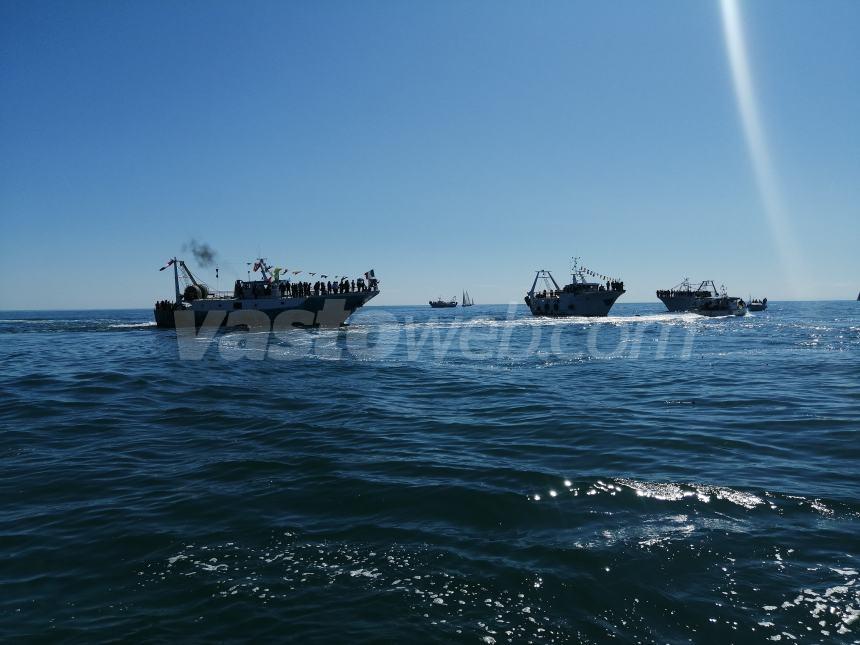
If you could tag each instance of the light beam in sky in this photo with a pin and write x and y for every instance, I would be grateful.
(748, 107)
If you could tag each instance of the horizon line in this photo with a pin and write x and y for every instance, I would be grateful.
(489, 304)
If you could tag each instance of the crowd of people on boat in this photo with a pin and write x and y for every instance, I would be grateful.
(290, 289)
(164, 305)
(579, 288)
(671, 293)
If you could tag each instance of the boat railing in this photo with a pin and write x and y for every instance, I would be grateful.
(220, 294)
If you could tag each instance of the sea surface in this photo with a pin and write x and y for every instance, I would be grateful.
(468, 475)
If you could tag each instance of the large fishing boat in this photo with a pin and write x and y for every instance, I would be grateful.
(321, 304)
(582, 297)
(683, 297)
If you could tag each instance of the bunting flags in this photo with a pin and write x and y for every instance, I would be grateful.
(279, 271)
(167, 265)
(595, 274)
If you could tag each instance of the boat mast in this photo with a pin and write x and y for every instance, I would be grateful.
(263, 269)
(574, 270)
(176, 280)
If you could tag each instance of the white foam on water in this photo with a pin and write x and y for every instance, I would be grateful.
(142, 325)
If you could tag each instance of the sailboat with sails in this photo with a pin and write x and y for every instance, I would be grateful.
(467, 300)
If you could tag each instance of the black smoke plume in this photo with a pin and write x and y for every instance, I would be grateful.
(202, 252)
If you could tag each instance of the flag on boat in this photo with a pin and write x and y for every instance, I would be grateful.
(167, 265)
(296, 272)
(312, 272)
(325, 276)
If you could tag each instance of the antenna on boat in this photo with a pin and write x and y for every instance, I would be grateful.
(574, 267)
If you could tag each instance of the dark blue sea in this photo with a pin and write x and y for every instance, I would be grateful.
(469, 475)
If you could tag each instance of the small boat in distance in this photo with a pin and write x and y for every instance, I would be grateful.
(683, 297)
(579, 298)
(467, 300)
(757, 305)
(443, 304)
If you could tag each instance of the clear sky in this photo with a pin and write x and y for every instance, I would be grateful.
(448, 145)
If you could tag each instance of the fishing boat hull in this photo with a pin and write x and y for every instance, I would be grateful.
(442, 305)
(681, 302)
(312, 311)
(566, 305)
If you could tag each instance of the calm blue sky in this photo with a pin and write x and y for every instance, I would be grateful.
(446, 144)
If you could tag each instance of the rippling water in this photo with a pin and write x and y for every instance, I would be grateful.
(460, 475)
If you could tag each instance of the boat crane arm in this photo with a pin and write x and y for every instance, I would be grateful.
(546, 275)
(534, 284)
(264, 268)
(188, 273)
